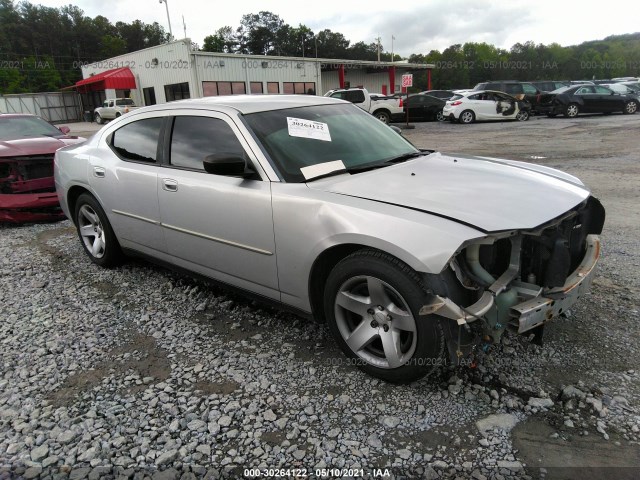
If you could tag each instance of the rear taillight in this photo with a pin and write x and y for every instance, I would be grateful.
(401, 103)
(456, 103)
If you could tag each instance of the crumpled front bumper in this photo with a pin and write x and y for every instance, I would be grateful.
(537, 306)
(30, 207)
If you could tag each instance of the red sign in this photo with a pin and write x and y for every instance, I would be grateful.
(407, 80)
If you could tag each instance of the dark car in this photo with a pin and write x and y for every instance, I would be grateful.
(538, 98)
(570, 101)
(444, 94)
(549, 85)
(424, 107)
(27, 190)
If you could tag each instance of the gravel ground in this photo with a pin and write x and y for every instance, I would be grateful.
(141, 372)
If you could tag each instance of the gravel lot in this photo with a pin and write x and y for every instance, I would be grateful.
(141, 372)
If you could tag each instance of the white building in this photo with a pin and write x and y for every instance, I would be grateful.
(174, 71)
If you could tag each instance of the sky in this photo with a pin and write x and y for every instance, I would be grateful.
(418, 26)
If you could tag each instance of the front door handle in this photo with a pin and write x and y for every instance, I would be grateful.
(169, 185)
(98, 172)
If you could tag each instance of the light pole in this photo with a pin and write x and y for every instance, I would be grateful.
(166, 4)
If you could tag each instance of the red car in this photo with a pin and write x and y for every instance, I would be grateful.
(27, 190)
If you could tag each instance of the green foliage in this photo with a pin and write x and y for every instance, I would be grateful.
(44, 47)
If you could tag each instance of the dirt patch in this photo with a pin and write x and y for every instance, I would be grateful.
(574, 457)
(146, 360)
(206, 388)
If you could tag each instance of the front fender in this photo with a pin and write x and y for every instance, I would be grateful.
(307, 222)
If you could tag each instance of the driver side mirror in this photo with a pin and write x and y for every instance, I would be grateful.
(64, 129)
(227, 164)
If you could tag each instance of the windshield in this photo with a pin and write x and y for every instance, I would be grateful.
(296, 138)
(12, 128)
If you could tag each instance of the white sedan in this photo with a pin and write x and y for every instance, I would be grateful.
(467, 107)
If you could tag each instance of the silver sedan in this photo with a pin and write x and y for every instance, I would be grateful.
(410, 256)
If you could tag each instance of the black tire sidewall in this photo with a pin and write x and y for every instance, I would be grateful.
(112, 252)
(430, 346)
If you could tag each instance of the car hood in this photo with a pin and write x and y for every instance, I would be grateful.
(486, 193)
(36, 145)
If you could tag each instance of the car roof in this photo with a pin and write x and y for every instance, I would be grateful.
(16, 115)
(246, 104)
(475, 92)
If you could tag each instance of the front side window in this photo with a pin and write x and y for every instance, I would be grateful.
(194, 138)
(138, 141)
(296, 138)
(529, 89)
(603, 90)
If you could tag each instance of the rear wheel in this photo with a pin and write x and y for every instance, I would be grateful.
(572, 110)
(95, 232)
(630, 107)
(372, 302)
(467, 117)
(383, 116)
(118, 114)
(440, 116)
(98, 119)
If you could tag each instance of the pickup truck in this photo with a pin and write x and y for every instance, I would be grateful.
(113, 108)
(384, 108)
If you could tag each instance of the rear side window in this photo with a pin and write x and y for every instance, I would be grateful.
(194, 138)
(138, 141)
(513, 88)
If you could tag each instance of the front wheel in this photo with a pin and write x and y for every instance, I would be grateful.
(383, 116)
(572, 110)
(467, 117)
(95, 232)
(630, 107)
(522, 116)
(372, 302)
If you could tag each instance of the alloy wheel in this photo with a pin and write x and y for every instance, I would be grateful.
(91, 231)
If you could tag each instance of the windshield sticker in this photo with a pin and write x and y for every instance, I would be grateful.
(322, 169)
(299, 127)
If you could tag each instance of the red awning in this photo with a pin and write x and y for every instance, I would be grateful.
(117, 79)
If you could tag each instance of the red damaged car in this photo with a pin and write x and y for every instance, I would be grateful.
(27, 190)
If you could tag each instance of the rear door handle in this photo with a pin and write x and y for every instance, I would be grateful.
(98, 172)
(169, 185)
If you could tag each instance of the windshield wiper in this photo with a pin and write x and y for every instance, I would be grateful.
(399, 159)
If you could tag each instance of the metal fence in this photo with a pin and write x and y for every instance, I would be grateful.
(55, 107)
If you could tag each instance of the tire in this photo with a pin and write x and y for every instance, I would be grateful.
(572, 110)
(630, 107)
(522, 116)
(365, 294)
(467, 117)
(118, 114)
(440, 116)
(98, 119)
(383, 116)
(95, 232)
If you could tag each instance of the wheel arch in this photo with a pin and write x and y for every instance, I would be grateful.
(72, 197)
(381, 110)
(328, 259)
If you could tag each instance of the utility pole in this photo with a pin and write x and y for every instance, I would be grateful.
(166, 4)
(378, 40)
(184, 26)
(392, 39)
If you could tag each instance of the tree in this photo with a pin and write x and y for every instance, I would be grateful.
(223, 41)
(331, 44)
(257, 33)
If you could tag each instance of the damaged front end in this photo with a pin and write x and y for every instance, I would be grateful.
(27, 190)
(520, 279)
